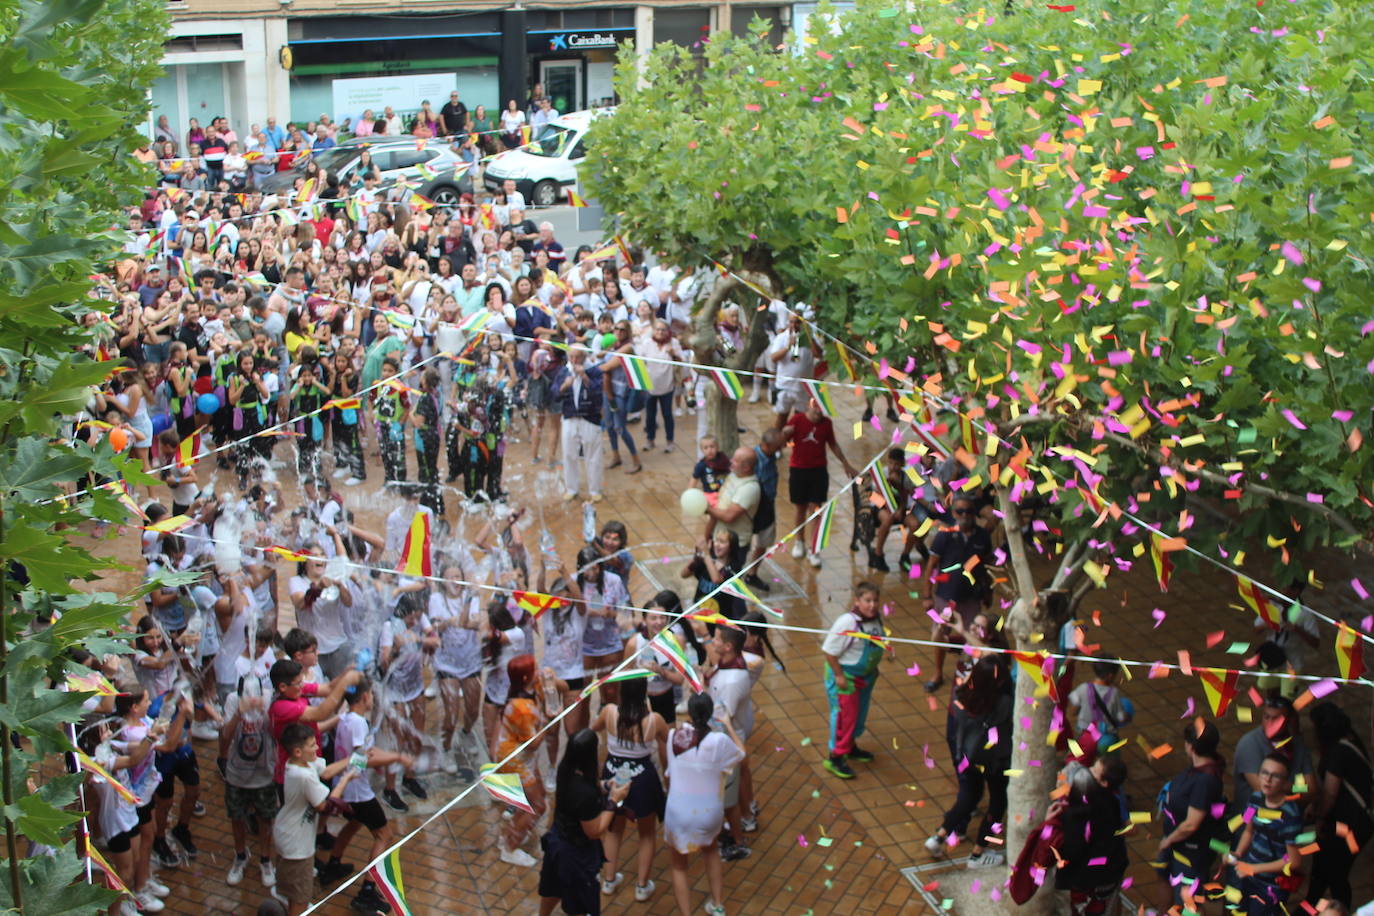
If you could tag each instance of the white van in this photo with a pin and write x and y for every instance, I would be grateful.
(549, 164)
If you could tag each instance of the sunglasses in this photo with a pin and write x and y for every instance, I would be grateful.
(963, 511)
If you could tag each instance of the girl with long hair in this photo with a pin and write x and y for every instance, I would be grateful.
(633, 730)
(522, 721)
(604, 593)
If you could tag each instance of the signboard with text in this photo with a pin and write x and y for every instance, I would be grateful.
(403, 93)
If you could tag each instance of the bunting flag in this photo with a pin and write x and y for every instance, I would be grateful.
(1164, 566)
(1039, 666)
(609, 250)
(155, 244)
(524, 135)
(415, 559)
(343, 404)
(1349, 652)
(575, 199)
(488, 215)
(287, 553)
(91, 682)
(475, 322)
(419, 201)
(636, 371)
(969, 434)
(112, 878)
(821, 395)
(670, 649)
(882, 488)
(735, 586)
(355, 210)
(1092, 499)
(726, 381)
(928, 432)
(505, 787)
(400, 320)
(188, 450)
(171, 525)
(821, 539)
(387, 876)
(845, 360)
(1219, 684)
(427, 171)
(536, 603)
(307, 191)
(122, 492)
(1258, 602)
(623, 248)
(879, 641)
(257, 278)
(615, 677)
(395, 384)
(709, 612)
(91, 766)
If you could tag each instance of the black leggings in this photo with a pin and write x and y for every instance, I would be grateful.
(393, 457)
(971, 783)
(1332, 863)
(348, 453)
(427, 470)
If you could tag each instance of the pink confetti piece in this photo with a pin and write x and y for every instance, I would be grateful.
(1359, 589)
(999, 198)
(801, 840)
(1292, 418)
(1344, 416)
(1291, 252)
(1159, 616)
(1316, 498)
(1323, 687)
(914, 671)
(1313, 284)
(1366, 328)
(1191, 708)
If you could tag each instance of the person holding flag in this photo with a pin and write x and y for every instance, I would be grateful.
(811, 432)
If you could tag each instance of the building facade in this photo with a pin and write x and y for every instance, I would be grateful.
(294, 60)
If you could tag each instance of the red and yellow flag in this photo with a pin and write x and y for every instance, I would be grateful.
(1164, 567)
(111, 877)
(575, 199)
(171, 525)
(91, 766)
(415, 559)
(1349, 652)
(536, 603)
(287, 553)
(1219, 684)
(189, 449)
(1251, 594)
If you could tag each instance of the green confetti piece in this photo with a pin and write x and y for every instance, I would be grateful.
(829, 884)
(815, 793)
(824, 841)
(887, 14)
(947, 903)
(1246, 435)
(1238, 648)
(806, 742)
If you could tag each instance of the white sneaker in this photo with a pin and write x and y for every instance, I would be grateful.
(714, 909)
(798, 550)
(988, 858)
(278, 897)
(749, 823)
(754, 397)
(608, 887)
(517, 857)
(449, 765)
(148, 903)
(352, 482)
(644, 891)
(677, 411)
(204, 730)
(156, 887)
(128, 908)
(236, 870)
(340, 473)
(269, 873)
(935, 845)
(815, 560)
(432, 690)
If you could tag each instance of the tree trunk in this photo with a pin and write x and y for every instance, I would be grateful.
(1034, 621)
(721, 412)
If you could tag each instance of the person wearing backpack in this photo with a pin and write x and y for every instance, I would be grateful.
(1193, 808)
(1099, 709)
(1092, 852)
(983, 739)
(247, 757)
(1346, 796)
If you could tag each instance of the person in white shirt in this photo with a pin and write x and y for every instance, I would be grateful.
(729, 683)
(794, 359)
(514, 199)
(394, 127)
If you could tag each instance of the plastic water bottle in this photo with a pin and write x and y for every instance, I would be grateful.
(546, 543)
(589, 522)
(553, 703)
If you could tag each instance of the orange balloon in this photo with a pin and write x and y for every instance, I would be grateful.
(119, 439)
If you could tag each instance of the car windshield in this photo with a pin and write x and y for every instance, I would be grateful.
(553, 140)
(332, 160)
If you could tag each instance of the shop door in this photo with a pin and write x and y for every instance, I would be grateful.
(562, 81)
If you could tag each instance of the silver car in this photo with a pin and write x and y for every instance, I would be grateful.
(396, 159)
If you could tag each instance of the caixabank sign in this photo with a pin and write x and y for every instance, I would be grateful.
(580, 41)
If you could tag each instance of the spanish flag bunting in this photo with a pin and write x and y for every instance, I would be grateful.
(1039, 666)
(1092, 499)
(288, 553)
(608, 250)
(1164, 566)
(536, 603)
(505, 787)
(1349, 652)
(387, 876)
(821, 539)
(188, 450)
(1258, 602)
(575, 199)
(524, 135)
(344, 404)
(1219, 684)
(419, 201)
(843, 353)
(415, 559)
(615, 677)
(307, 191)
(395, 384)
(624, 249)
(91, 682)
(636, 371)
(111, 876)
(820, 393)
(488, 214)
(670, 649)
(726, 381)
(91, 766)
(969, 434)
(879, 641)
(171, 524)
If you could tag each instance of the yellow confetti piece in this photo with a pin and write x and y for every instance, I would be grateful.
(1089, 87)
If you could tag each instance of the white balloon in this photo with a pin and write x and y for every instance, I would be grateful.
(693, 502)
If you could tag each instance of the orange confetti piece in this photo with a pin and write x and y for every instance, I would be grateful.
(1185, 661)
(1162, 751)
(1342, 162)
(841, 215)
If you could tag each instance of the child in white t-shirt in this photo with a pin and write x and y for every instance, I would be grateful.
(303, 796)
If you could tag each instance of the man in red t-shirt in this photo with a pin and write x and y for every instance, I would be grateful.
(808, 481)
(291, 703)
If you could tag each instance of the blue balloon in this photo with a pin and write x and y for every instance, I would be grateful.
(207, 403)
(161, 423)
(364, 658)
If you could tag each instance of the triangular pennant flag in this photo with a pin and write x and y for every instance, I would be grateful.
(90, 765)
(415, 555)
(883, 488)
(112, 878)
(879, 641)
(91, 682)
(171, 525)
(821, 539)
(1038, 666)
(1164, 566)
(505, 787)
(615, 677)
(1219, 684)
(969, 434)
(188, 450)
(1258, 602)
(735, 586)
(536, 603)
(728, 382)
(387, 876)
(1349, 652)
(666, 645)
(575, 199)
(845, 360)
(288, 553)
(820, 393)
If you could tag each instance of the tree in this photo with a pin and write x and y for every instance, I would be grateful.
(1124, 249)
(76, 77)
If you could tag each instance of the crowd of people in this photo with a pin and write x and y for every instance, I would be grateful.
(343, 333)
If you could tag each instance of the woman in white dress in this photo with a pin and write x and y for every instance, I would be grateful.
(698, 761)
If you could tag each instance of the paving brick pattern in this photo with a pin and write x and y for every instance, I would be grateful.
(874, 824)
